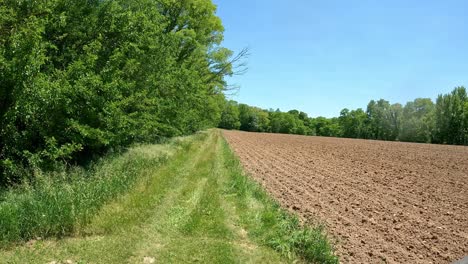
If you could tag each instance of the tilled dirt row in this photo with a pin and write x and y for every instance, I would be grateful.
(385, 202)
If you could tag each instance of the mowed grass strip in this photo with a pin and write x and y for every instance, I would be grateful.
(198, 207)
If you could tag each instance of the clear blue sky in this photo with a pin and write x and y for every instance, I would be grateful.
(320, 56)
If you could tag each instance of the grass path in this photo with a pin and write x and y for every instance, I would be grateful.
(187, 211)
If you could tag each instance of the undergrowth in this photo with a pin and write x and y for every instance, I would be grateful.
(57, 204)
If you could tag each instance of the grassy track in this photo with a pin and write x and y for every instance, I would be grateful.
(198, 207)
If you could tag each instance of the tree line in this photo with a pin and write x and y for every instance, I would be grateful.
(421, 120)
(79, 78)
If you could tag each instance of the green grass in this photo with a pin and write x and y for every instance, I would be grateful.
(198, 206)
(59, 204)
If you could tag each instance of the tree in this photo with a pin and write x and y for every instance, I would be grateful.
(263, 120)
(383, 119)
(396, 111)
(327, 127)
(253, 119)
(294, 122)
(449, 117)
(353, 123)
(275, 121)
(230, 116)
(465, 124)
(417, 121)
(82, 77)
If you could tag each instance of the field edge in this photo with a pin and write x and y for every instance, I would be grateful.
(280, 229)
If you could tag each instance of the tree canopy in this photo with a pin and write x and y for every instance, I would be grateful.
(81, 77)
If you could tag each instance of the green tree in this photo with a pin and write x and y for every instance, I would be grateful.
(417, 121)
(230, 116)
(253, 119)
(396, 112)
(300, 122)
(465, 125)
(275, 121)
(353, 123)
(383, 120)
(327, 127)
(263, 120)
(449, 117)
(82, 77)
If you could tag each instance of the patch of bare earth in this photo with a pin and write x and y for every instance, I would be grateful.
(386, 202)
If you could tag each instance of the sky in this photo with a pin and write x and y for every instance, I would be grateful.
(320, 56)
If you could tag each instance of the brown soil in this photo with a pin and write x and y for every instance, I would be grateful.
(385, 202)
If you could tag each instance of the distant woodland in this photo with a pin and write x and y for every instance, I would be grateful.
(421, 120)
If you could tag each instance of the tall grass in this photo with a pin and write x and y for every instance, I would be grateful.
(61, 203)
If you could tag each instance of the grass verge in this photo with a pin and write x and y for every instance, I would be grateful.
(62, 203)
(199, 206)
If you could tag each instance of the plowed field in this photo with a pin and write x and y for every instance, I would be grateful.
(383, 201)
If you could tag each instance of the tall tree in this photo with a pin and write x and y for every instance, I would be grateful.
(81, 77)
(417, 122)
(450, 116)
(353, 123)
(230, 116)
(383, 119)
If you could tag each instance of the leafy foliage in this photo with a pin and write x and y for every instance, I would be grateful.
(417, 122)
(79, 78)
(230, 116)
(450, 118)
(354, 123)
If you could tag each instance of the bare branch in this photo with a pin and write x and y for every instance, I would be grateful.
(237, 64)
